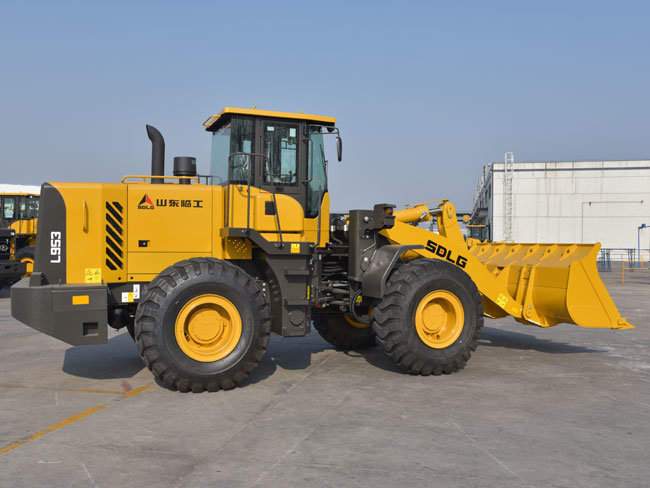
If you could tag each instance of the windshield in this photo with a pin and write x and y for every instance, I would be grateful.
(317, 172)
(237, 137)
(219, 156)
(29, 207)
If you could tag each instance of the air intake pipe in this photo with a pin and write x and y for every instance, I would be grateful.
(157, 154)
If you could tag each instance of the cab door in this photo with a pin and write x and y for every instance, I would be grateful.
(280, 176)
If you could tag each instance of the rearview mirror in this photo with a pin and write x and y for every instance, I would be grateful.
(339, 148)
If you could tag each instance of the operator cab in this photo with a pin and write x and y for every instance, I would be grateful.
(276, 152)
(15, 207)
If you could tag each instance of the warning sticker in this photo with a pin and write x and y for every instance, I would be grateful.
(127, 297)
(93, 275)
(502, 300)
(295, 248)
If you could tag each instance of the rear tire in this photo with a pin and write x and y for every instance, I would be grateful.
(26, 255)
(339, 332)
(203, 324)
(430, 318)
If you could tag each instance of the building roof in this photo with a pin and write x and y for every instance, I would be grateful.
(563, 165)
(20, 189)
(211, 123)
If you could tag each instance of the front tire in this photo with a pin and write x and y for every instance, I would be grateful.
(430, 319)
(203, 324)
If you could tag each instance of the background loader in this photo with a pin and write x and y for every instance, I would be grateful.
(266, 255)
(18, 223)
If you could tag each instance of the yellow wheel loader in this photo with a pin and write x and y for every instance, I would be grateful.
(18, 222)
(264, 254)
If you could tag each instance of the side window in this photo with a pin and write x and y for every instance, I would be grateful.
(22, 208)
(242, 140)
(9, 208)
(281, 150)
(317, 175)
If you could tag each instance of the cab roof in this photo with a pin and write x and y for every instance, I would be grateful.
(214, 122)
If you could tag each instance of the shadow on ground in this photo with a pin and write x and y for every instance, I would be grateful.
(283, 353)
(118, 358)
(376, 357)
(263, 370)
(295, 352)
(492, 337)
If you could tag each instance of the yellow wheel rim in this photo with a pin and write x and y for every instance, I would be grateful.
(30, 266)
(439, 319)
(208, 328)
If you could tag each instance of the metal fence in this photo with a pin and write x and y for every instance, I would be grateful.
(630, 256)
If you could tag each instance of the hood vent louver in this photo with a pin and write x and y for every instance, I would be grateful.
(114, 236)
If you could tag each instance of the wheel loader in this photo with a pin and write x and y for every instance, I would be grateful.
(18, 222)
(264, 254)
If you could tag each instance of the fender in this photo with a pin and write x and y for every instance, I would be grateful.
(374, 279)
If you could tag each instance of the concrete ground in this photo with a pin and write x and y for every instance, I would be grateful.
(558, 407)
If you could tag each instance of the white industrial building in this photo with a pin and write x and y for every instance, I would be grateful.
(568, 201)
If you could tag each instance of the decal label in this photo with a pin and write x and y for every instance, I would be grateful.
(93, 275)
(442, 252)
(55, 247)
(295, 248)
(146, 203)
(127, 296)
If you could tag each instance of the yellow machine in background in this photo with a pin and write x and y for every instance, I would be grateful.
(262, 253)
(19, 214)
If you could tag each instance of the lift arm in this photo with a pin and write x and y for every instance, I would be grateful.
(539, 284)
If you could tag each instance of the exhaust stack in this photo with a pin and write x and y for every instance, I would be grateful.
(157, 153)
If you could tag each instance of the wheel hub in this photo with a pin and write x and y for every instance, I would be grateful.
(208, 328)
(205, 325)
(439, 319)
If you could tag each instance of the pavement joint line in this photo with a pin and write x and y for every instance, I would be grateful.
(73, 390)
(91, 390)
(295, 446)
(12, 339)
(71, 420)
(499, 462)
(53, 427)
(274, 402)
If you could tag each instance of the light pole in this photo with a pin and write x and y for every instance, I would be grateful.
(638, 239)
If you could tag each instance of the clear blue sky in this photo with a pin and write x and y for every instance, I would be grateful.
(425, 93)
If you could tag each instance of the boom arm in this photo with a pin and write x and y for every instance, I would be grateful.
(540, 284)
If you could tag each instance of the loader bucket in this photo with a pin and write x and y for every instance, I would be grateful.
(554, 283)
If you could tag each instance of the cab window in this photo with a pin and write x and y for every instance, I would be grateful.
(281, 150)
(242, 140)
(219, 155)
(8, 208)
(225, 163)
(29, 207)
(317, 167)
